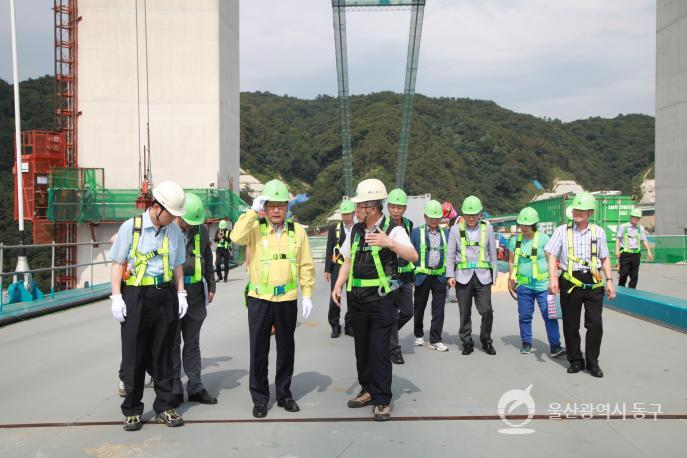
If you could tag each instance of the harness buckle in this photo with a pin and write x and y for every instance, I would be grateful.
(278, 290)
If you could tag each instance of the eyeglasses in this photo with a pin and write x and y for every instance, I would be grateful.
(275, 205)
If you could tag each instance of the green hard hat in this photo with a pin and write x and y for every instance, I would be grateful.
(636, 212)
(471, 205)
(583, 201)
(433, 209)
(276, 191)
(528, 216)
(397, 197)
(346, 207)
(194, 213)
(223, 224)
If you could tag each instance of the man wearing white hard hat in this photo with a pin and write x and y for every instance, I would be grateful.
(370, 269)
(148, 298)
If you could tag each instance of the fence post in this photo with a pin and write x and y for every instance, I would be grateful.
(52, 270)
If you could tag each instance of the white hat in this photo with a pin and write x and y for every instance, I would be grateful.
(370, 189)
(171, 196)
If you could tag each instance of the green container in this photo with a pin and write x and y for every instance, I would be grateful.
(611, 211)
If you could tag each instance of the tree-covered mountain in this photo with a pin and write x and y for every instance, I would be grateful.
(457, 147)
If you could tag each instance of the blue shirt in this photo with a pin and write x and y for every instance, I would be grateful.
(525, 263)
(147, 242)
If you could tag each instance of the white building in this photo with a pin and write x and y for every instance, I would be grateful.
(174, 64)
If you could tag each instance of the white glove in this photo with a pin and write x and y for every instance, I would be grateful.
(258, 203)
(183, 304)
(118, 307)
(307, 307)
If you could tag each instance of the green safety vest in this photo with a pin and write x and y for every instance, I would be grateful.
(141, 260)
(482, 262)
(406, 223)
(422, 269)
(267, 257)
(639, 236)
(536, 275)
(223, 242)
(382, 280)
(568, 274)
(198, 271)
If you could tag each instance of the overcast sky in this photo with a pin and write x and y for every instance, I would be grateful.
(566, 59)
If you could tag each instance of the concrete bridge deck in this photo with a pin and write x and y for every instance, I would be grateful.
(58, 392)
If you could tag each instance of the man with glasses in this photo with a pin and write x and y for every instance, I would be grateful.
(279, 262)
(471, 269)
(370, 269)
(148, 299)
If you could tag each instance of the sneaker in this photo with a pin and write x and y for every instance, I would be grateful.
(170, 418)
(361, 400)
(525, 349)
(419, 342)
(132, 423)
(381, 412)
(439, 346)
(557, 351)
(121, 390)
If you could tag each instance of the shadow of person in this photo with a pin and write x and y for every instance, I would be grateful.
(402, 386)
(208, 362)
(306, 382)
(541, 350)
(215, 382)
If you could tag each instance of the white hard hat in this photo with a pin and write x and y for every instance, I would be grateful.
(171, 196)
(370, 189)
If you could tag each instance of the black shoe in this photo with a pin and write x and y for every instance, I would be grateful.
(336, 332)
(575, 368)
(177, 399)
(397, 358)
(203, 397)
(260, 410)
(349, 332)
(489, 348)
(467, 349)
(219, 278)
(289, 405)
(595, 371)
(225, 279)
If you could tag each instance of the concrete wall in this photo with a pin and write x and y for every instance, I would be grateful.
(671, 117)
(191, 84)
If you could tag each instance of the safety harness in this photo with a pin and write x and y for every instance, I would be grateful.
(336, 253)
(592, 265)
(481, 262)
(625, 244)
(268, 257)
(141, 259)
(197, 276)
(422, 269)
(536, 275)
(409, 267)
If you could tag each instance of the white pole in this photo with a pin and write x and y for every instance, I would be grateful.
(17, 121)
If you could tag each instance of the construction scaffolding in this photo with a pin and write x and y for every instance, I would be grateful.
(339, 11)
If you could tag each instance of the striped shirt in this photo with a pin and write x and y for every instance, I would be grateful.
(582, 246)
(634, 235)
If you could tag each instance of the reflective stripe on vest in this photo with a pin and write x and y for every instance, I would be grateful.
(381, 280)
(410, 267)
(625, 245)
(568, 274)
(141, 260)
(536, 276)
(336, 253)
(267, 257)
(464, 243)
(422, 269)
(197, 271)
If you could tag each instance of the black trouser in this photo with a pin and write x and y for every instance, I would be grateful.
(221, 255)
(629, 266)
(372, 323)
(147, 335)
(262, 315)
(432, 284)
(189, 329)
(592, 299)
(482, 296)
(404, 307)
(334, 315)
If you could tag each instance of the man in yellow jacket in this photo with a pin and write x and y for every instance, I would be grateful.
(279, 261)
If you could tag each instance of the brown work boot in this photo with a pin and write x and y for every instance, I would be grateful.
(381, 412)
(362, 399)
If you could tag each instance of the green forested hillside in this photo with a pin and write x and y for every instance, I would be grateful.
(458, 147)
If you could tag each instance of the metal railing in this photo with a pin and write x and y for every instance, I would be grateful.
(53, 268)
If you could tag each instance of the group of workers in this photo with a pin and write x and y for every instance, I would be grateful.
(162, 281)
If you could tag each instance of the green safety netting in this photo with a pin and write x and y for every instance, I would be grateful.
(78, 195)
